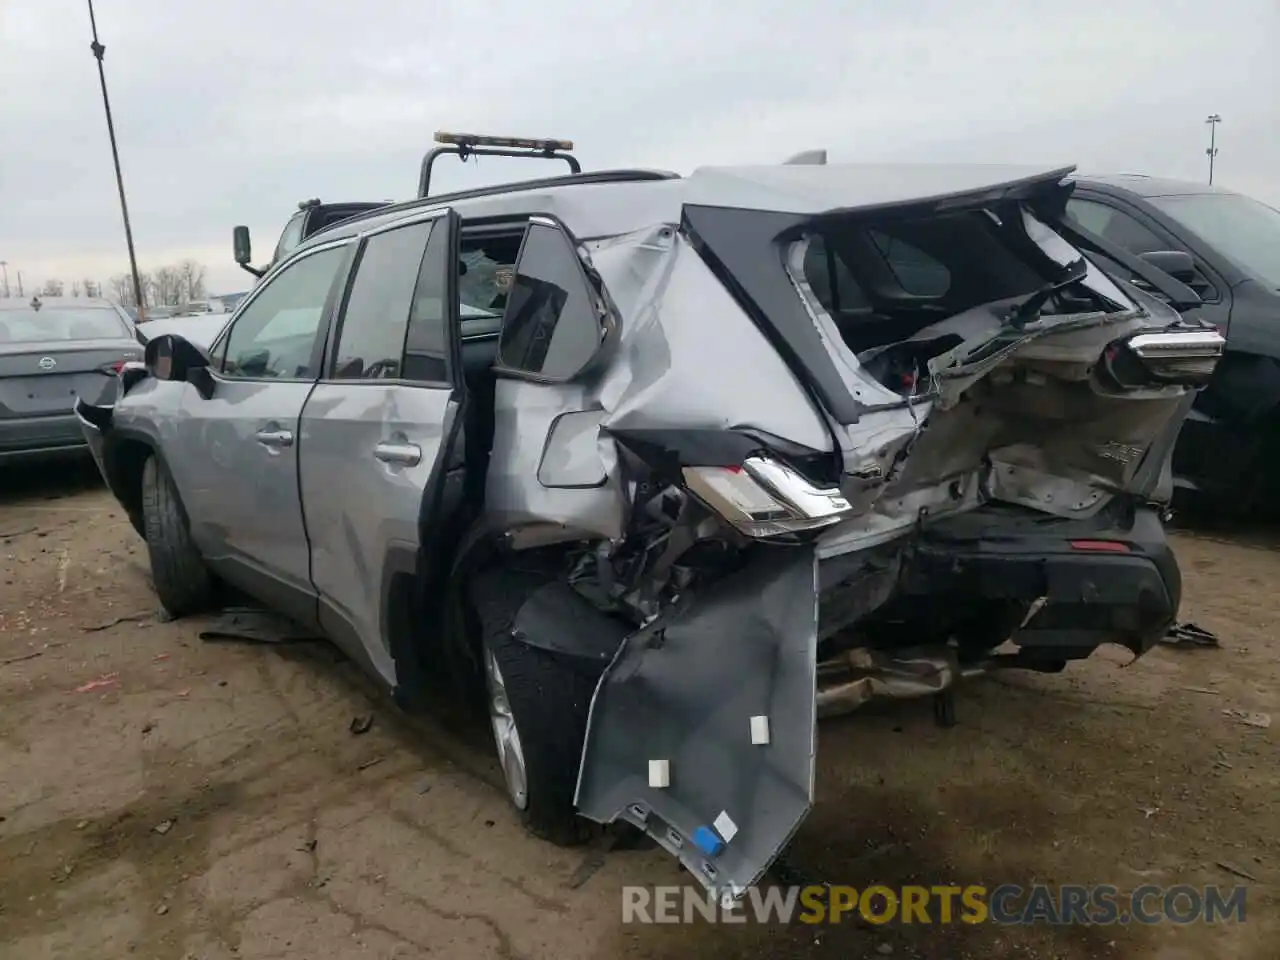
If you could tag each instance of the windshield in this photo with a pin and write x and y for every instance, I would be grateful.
(51, 324)
(1240, 227)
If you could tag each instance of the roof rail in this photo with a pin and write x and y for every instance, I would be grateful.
(464, 145)
(520, 186)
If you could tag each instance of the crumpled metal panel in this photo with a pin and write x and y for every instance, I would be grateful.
(684, 691)
(686, 357)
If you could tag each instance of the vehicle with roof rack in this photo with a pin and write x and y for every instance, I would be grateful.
(314, 216)
(663, 468)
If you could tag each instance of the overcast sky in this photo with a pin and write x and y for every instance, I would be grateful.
(231, 111)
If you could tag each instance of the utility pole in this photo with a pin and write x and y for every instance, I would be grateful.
(98, 51)
(19, 283)
(4, 266)
(1212, 150)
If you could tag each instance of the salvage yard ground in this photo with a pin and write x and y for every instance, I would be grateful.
(167, 797)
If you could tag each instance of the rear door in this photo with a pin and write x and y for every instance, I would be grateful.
(375, 433)
(234, 454)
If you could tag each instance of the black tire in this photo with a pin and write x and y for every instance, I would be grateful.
(550, 697)
(182, 581)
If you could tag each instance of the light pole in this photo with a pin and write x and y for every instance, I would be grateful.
(4, 266)
(19, 284)
(98, 51)
(1212, 150)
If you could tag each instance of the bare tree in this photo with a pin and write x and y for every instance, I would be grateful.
(167, 285)
(52, 288)
(167, 281)
(121, 287)
(191, 278)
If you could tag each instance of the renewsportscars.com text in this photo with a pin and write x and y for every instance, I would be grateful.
(1009, 904)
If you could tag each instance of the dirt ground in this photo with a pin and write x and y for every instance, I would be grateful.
(209, 800)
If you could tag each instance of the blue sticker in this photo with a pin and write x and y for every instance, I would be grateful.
(708, 841)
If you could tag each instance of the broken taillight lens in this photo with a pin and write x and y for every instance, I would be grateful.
(766, 498)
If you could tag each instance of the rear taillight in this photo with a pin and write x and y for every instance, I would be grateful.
(1185, 356)
(766, 498)
(113, 368)
(1179, 356)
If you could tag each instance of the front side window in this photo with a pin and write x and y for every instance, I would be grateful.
(1240, 227)
(275, 335)
(371, 336)
(550, 327)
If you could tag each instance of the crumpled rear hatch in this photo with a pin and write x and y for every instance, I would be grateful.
(961, 345)
(961, 351)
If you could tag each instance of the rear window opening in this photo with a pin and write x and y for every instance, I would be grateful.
(884, 281)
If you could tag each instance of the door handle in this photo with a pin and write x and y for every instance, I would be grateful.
(405, 454)
(275, 438)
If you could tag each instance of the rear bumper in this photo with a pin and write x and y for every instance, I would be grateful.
(1109, 579)
(31, 438)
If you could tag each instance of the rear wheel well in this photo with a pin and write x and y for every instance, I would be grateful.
(125, 463)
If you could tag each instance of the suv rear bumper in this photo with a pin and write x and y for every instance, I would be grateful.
(1112, 578)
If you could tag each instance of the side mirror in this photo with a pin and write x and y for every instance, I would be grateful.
(174, 358)
(1176, 263)
(240, 243)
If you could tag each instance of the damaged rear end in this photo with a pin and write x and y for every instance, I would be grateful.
(933, 426)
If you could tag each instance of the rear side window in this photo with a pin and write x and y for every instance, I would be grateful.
(375, 322)
(829, 278)
(550, 327)
(426, 348)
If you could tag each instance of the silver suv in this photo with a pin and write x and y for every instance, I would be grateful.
(668, 467)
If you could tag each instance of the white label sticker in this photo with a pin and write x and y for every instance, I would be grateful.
(659, 774)
(725, 826)
(759, 731)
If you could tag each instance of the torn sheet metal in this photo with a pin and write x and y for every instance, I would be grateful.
(683, 353)
(684, 690)
(858, 676)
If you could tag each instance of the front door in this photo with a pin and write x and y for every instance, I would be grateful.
(374, 435)
(236, 452)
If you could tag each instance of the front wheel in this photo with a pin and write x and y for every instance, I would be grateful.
(182, 582)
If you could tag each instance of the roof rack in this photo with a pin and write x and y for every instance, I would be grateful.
(464, 145)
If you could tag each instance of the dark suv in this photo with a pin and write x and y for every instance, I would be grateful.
(1226, 247)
